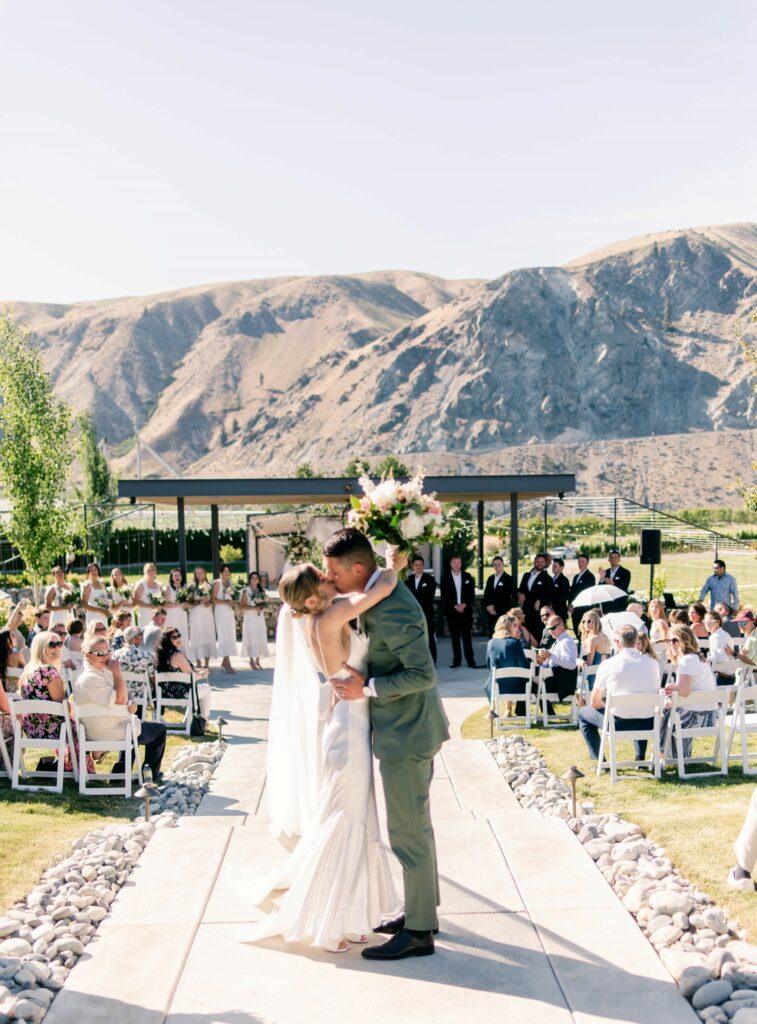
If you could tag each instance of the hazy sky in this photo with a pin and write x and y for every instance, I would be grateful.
(155, 144)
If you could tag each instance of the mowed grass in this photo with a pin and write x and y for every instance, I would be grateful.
(695, 821)
(37, 829)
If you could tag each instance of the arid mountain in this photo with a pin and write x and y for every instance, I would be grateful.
(609, 361)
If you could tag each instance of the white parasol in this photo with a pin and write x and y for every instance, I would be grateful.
(614, 620)
(599, 594)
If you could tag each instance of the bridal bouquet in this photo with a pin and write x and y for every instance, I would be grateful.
(181, 596)
(400, 514)
(124, 592)
(102, 602)
(199, 592)
(156, 600)
(298, 549)
(68, 598)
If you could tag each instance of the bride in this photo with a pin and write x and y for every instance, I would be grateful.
(338, 880)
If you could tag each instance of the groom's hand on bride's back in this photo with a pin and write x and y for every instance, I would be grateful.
(349, 689)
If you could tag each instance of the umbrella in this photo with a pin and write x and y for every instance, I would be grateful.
(5, 596)
(600, 594)
(613, 620)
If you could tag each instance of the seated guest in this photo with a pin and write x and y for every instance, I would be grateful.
(102, 684)
(42, 680)
(692, 675)
(745, 848)
(562, 658)
(171, 658)
(645, 646)
(721, 653)
(638, 610)
(499, 592)
(526, 638)
(628, 671)
(15, 618)
(6, 725)
(547, 640)
(679, 617)
(728, 620)
(41, 623)
(594, 644)
(560, 595)
(134, 657)
(72, 656)
(9, 658)
(658, 631)
(748, 653)
(505, 650)
(121, 622)
(154, 631)
(697, 613)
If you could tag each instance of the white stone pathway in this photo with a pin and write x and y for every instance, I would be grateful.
(530, 931)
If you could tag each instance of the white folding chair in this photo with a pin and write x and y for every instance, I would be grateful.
(56, 709)
(12, 681)
(6, 766)
(177, 703)
(586, 676)
(545, 697)
(140, 681)
(525, 677)
(128, 746)
(707, 700)
(704, 643)
(643, 705)
(743, 722)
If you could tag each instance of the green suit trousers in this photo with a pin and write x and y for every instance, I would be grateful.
(407, 781)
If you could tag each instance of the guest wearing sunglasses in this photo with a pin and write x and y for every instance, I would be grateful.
(102, 684)
(172, 658)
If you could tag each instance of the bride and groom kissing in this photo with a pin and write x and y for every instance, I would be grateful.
(336, 690)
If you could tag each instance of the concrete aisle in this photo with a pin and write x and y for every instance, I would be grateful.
(529, 928)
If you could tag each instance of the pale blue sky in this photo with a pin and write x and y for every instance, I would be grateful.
(156, 144)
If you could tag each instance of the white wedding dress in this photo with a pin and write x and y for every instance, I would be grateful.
(337, 879)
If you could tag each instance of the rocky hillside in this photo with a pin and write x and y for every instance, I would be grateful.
(541, 365)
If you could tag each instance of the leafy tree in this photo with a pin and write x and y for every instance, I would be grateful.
(391, 464)
(229, 553)
(35, 453)
(356, 467)
(99, 490)
(306, 472)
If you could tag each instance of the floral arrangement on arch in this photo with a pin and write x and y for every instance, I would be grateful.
(299, 549)
(399, 513)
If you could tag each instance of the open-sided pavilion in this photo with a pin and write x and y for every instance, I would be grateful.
(260, 491)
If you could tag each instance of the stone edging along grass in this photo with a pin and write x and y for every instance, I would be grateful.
(42, 936)
(716, 970)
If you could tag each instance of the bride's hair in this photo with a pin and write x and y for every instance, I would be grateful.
(297, 585)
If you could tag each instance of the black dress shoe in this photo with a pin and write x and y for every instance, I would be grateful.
(455, 664)
(472, 664)
(401, 946)
(394, 926)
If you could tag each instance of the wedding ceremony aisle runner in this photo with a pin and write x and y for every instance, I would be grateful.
(530, 930)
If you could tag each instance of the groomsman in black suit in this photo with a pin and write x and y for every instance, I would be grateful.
(535, 590)
(618, 576)
(499, 593)
(583, 579)
(422, 586)
(560, 589)
(458, 595)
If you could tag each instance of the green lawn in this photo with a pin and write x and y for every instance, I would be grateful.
(695, 821)
(36, 829)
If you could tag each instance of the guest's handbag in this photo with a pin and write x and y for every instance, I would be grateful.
(198, 723)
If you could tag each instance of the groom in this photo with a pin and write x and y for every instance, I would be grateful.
(409, 727)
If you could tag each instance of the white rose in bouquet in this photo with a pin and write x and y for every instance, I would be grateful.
(412, 526)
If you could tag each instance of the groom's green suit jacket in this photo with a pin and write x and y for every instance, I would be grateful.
(407, 715)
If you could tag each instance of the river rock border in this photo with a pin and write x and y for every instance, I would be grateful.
(42, 936)
(706, 953)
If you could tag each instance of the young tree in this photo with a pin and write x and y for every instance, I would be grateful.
(35, 454)
(99, 490)
(305, 471)
(391, 464)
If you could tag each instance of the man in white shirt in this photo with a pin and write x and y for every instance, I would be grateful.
(458, 596)
(628, 671)
(561, 657)
(422, 586)
(101, 684)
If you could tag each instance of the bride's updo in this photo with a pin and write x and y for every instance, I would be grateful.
(297, 585)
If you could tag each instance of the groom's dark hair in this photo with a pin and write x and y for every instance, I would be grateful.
(350, 545)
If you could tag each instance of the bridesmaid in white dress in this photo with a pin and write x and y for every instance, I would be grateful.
(254, 630)
(202, 628)
(59, 613)
(147, 585)
(176, 617)
(116, 590)
(226, 623)
(338, 879)
(95, 599)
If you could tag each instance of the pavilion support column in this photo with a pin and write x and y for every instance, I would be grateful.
(514, 537)
(182, 535)
(215, 556)
(480, 579)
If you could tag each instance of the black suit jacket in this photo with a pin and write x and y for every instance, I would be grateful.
(622, 578)
(424, 594)
(502, 596)
(541, 591)
(449, 593)
(560, 595)
(587, 580)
